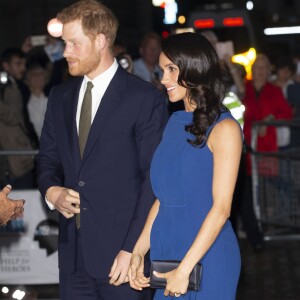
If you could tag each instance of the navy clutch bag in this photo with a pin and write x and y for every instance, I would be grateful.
(163, 266)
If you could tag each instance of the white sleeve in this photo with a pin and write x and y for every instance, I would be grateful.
(50, 205)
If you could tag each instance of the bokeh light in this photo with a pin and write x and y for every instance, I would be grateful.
(54, 27)
(181, 19)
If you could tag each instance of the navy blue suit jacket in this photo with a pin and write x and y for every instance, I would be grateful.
(113, 176)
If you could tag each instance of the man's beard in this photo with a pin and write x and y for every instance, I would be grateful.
(86, 66)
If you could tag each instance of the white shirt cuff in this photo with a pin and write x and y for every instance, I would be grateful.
(50, 205)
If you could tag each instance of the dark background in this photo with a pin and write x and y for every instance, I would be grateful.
(22, 18)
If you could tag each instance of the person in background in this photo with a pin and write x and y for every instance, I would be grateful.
(122, 56)
(100, 132)
(9, 209)
(284, 78)
(263, 102)
(284, 74)
(48, 53)
(26, 45)
(14, 64)
(146, 67)
(36, 80)
(17, 170)
(189, 220)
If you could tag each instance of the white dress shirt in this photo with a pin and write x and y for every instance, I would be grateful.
(37, 106)
(100, 84)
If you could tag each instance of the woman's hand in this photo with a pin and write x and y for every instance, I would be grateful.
(177, 282)
(137, 279)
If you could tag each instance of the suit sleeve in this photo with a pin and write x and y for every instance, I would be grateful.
(49, 166)
(151, 121)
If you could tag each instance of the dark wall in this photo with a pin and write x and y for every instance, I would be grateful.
(22, 18)
(19, 19)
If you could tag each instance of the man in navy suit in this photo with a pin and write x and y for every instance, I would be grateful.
(106, 182)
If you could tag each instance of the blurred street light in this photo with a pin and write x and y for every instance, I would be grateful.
(54, 27)
(282, 30)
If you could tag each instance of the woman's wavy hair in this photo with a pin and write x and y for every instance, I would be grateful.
(200, 72)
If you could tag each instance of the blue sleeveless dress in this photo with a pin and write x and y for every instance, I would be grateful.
(181, 177)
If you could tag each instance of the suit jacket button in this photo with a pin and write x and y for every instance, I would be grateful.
(81, 183)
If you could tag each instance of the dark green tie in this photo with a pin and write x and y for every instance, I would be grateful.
(85, 122)
(85, 117)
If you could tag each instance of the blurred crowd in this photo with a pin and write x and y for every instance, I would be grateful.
(27, 75)
(30, 71)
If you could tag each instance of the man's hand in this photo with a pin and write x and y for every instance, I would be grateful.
(66, 201)
(119, 269)
(9, 209)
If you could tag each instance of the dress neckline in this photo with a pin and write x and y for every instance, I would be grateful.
(183, 116)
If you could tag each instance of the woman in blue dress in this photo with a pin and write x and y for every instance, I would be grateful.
(193, 174)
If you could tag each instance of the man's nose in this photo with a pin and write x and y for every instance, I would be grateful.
(67, 51)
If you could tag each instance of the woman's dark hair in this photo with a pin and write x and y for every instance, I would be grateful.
(201, 73)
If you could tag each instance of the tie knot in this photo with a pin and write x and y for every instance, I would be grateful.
(89, 86)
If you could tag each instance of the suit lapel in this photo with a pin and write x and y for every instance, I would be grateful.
(70, 108)
(109, 103)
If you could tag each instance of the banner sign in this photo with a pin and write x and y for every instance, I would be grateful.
(28, 245)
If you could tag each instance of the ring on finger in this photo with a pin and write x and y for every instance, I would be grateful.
(177, 295)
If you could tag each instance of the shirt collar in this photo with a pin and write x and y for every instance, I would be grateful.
(104, 77)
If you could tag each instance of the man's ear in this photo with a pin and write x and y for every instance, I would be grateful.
(101, 41)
